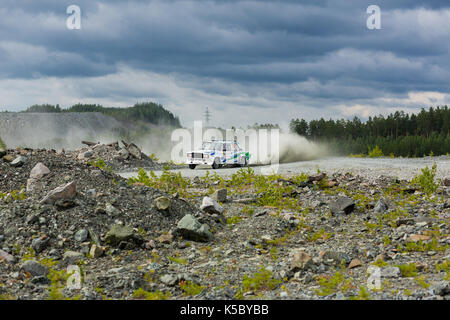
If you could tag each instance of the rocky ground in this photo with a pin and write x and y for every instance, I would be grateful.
(70, 228)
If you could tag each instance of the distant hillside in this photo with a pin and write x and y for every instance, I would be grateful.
(56, 130)
(147, 112)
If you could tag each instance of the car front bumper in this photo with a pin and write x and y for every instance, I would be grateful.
(207, 161)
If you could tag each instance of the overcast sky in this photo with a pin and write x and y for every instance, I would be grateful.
(248, 61)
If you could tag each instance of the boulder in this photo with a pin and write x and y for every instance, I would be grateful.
(34, 268)
(67, 191)
(189, 228)
(162, 203)
(300, 261)
(342, 204)
(19, 161)
(381, 206)
(7, 257)
(211, 206)
(39, 244)
(8, 158)
(96, 251)
(119, 233)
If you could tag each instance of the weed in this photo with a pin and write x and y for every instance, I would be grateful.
(408, 270)
(329, 285)
(261, 280)
(363, 294)
(426, 180)
(178, 260)
(190, 288)
(421, 282)
(157, 295)
(375, 152)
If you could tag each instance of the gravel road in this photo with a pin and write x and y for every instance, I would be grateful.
(403, 168)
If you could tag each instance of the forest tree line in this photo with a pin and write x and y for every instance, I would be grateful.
(146, 112)
(400, 134)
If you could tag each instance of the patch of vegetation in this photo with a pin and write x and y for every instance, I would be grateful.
(319, 235)
(408, 270)
(426, 180)
(363, 294)
(261, 280)
(168, 181)
(233, 220)
(58, 279)
(2, 144)
(420, 280)
(375, 152)
(420, 246)
(380, 263)
(178, 260)
(146, 295)
(332, 284)
(100, 164)
(13, 195)
(189, 288)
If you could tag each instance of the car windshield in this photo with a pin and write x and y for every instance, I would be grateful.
(212, 146)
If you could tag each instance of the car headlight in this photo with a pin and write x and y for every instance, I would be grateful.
(206, 156)
(189, 155)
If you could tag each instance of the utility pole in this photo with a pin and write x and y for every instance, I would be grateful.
(207, 116)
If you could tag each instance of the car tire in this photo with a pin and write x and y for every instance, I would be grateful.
(192, 166)
(216, 163)
(244, 163)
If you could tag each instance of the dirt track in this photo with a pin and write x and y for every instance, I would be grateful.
(403, 168)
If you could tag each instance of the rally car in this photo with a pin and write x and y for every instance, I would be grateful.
(217, 154)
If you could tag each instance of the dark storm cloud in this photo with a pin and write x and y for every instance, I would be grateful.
(324, 46)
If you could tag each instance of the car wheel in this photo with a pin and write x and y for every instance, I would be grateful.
(192, 166)
(216, 163)
(244, 163)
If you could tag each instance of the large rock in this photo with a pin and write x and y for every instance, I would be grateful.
(19, 161)
(6, 256)
(189, 228)
(8, 158)
(133, 150)
(39, 244)
(34, 268)
(39, 171)
(162, 203)
(342, 204)
(381, 206)
(67, 191)
(119, 233)
(300, 261)
(211, 206)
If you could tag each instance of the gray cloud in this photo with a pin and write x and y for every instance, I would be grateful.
(251, 54)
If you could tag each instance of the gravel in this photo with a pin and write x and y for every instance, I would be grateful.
(125, 241)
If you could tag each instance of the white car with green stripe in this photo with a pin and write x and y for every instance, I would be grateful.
(218, 154)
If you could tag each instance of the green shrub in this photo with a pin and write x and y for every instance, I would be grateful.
(2, 144)
(426, 179)
(375, 152)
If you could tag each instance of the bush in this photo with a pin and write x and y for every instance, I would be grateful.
(2, 144)
(426, 179)
(375, 152)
